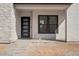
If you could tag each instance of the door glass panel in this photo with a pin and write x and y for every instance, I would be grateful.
(26, 27)
(25, 34)
(25, 23)
(25, 19)
(25, 30)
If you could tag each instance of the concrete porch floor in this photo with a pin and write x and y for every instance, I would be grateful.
(39, 48)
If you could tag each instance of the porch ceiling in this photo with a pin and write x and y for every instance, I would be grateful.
(42, 6)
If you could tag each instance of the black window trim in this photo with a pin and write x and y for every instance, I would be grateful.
(47, 25)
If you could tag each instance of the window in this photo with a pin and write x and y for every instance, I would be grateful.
(48, 24)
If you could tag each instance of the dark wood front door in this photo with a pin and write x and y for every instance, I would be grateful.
(25, 27)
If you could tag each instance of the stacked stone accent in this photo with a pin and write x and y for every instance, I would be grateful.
(7, 23)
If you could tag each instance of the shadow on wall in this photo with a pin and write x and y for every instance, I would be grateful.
(17, 25)
(56, 30)
(61, 28)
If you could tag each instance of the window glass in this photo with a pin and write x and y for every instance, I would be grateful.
(43, 20)
(53, 28)
(48, 24)
(52, 19)
(42, 28)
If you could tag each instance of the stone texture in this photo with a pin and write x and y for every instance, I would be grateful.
(7, 22)
(73, 22)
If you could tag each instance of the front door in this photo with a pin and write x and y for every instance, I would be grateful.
(25, 27)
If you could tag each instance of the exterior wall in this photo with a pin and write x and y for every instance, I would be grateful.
(10, 27)
(61, 21)
(13, 33)
(73, 23)
(35, 10)
(7, 23)
(34, 23)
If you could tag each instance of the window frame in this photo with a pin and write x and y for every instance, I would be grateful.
(48, 25)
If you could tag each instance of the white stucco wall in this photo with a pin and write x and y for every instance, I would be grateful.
(42, 6)
(61, 20)
(73, 23)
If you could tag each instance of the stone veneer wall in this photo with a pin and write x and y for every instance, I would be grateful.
(73, 22)
(7, 23)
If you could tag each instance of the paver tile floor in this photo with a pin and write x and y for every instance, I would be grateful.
(39, 48)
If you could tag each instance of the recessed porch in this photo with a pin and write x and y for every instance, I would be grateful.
(33, 11)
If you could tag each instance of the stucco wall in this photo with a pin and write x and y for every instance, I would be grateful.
(7, 23)
(61, 21)
(73, 23)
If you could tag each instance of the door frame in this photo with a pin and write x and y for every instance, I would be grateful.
(28, 26)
